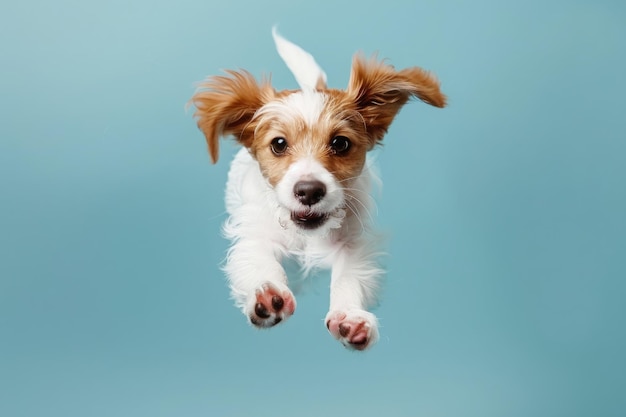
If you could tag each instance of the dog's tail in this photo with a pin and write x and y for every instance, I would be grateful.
(307, 72)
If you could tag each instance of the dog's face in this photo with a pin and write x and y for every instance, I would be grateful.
(311, 144)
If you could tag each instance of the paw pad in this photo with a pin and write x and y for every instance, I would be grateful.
(271, 306)
(356, 329)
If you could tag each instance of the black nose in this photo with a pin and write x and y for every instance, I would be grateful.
(309, 192)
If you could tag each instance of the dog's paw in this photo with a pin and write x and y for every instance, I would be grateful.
(270, 305)
(355, 329)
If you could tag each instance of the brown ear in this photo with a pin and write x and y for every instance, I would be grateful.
(225, 105)
(379, 91)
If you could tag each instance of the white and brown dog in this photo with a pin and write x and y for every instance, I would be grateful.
(300, 187)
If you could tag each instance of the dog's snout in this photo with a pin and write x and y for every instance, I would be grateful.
(309, 192)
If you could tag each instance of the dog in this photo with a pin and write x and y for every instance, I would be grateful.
(300, 186)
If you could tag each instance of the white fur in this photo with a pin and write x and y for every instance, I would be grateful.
(256, 213)
(263, 235)
(306, 105)
(301, 63)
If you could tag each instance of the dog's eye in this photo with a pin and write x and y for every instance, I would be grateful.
(340, 145)
(278, 146)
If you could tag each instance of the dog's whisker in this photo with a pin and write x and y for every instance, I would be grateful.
(349, 179)
(363, 205)
(371, 202)
(366, 170)
(356, 213)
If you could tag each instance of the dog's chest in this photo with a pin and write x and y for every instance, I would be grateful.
(312, 253)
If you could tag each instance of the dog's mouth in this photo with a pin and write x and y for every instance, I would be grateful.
(308, 219)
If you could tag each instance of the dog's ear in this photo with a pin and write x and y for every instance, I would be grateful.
(379, 91)
(225, 105)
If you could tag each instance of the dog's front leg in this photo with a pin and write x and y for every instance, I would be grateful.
(258, 282)
(354, 286)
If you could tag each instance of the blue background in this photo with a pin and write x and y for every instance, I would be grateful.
(504, 211)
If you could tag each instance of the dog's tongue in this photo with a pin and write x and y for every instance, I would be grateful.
(307, 215)
(308, 219)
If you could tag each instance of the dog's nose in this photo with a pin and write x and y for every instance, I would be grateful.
(309, 192)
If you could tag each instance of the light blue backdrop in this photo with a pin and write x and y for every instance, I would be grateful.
(505, 213)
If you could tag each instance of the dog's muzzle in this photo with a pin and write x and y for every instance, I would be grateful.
(309, 193)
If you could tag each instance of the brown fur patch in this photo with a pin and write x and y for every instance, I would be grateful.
(379, 91)
(225, 105)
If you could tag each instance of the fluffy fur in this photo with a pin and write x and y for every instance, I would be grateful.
(300, 186)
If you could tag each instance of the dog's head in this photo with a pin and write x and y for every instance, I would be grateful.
(310, 143)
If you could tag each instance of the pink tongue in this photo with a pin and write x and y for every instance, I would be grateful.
(307, 215)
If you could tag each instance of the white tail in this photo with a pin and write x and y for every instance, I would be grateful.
(302, 65)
